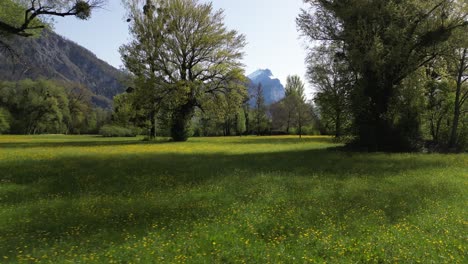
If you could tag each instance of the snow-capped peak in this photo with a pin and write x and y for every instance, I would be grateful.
(261, 72)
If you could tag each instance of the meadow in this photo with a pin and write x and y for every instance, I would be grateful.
(87, 199)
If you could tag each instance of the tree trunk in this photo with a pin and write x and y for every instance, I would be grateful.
(152, 134)
(338, 124)
(300, 130)
(228, 127)
(236, 120)
(181, 122)
(434, 134)
(376, 132)
(247, 121)
(238, 126)
(437, 129)
(456, 113)
(258, 124)
(301, 123)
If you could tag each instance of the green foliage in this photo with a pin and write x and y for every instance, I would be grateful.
(438, 108)
(292, 111)
(294, 85)
(458, 67)
(124, 113)
(334, 81)
(83, 9)
(222, 114)
(446, 92)
(116, 131)
(4, 120)
(384, 42)
(87, 199)
(259, 112)
(241, 126)
(12, 13)
(27, 18)
(37, 107)
(43, 106)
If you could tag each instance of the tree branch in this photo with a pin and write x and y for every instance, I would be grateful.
(81, 9)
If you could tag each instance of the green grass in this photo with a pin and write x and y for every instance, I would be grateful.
(86, 199)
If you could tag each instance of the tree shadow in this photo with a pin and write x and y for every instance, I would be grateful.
(284, 140)
(108, 173)
(105, 220)
(90, 143)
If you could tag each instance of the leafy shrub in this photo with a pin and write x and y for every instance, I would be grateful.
(4, 120)
(117, 131)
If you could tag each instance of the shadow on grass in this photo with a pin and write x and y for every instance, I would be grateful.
(103, 221)
(131, 174)
(285, 140)
(90, 143)
(108, 194)
(100, 141)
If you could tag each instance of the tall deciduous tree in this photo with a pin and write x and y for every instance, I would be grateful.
(294, 96)
(294, 85)
(295, 100)
(259, 110)
(229, 106)
(303, 116)
(184, 52)
(292, 110)
(384, 41)
(438, 106)
(333, 80)
(458, 67)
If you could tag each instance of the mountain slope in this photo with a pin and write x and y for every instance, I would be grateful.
(54, 57)
(273, 90)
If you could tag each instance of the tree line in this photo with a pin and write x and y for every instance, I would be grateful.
(229, 114)
(45, 106)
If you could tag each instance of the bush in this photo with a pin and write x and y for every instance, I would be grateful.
(4, 120)
(117, 131)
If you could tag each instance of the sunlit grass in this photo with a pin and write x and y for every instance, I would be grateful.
(216, 200)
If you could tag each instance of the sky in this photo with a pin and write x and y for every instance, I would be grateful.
(269, 26)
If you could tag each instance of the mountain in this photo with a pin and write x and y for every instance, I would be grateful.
(273, 90)
(51, 56)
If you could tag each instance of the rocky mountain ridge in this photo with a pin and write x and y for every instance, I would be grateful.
(273, 90)
(52, 56)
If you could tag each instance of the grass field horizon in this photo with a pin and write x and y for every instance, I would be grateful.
(249, 199)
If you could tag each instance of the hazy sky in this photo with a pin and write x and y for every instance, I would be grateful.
(269, 25)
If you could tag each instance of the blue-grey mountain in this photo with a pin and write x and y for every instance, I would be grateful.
(273, 90)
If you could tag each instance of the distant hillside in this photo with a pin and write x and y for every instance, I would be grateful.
(54, 57)
(273, 90)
